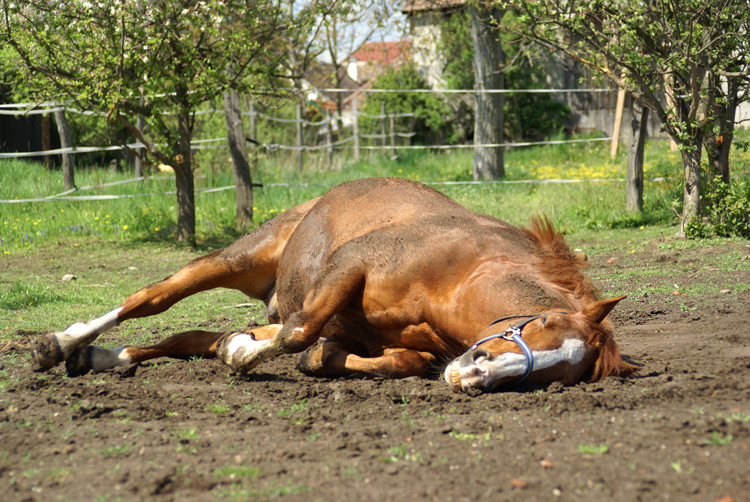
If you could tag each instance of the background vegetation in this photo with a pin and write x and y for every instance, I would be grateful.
(579, 205)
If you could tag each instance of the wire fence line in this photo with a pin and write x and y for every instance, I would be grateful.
(64, 196)
(384, 140)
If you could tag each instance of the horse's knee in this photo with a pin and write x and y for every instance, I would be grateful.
(299, 333)
(405, 364)
(325, 358)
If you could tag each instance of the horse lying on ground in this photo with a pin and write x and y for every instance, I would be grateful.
(384, 277)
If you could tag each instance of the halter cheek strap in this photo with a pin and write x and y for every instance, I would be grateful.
(513, 334)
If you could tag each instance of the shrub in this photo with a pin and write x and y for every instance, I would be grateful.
(433, 124)
(727, 209)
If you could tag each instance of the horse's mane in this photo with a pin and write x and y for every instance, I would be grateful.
(557, 262)
(563, 267)
(609, 362)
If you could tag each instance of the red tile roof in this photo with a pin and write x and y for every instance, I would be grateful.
(409, 6)
(383, 53)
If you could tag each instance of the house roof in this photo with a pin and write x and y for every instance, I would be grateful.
(320, 75)
(382, 53)
(413, 6)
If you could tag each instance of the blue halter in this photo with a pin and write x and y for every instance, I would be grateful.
(513, 334)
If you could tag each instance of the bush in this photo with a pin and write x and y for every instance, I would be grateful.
(727, 209)
(433, 122)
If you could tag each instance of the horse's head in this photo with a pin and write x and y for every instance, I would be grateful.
(543, 348)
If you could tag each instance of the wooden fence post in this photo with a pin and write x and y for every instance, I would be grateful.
(68, 159)
(254, 135)
(139, 124)
(355, 126)
(253, 122)
(618, 122)
(299, 138)
(329, 140)
(393, 137)
(46, 139)
(383, 131)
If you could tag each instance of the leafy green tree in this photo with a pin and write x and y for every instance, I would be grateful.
(528, 116)
(433, 114)
(175, 54)
(684, 49)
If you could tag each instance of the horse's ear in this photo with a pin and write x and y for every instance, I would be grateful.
(597, 311)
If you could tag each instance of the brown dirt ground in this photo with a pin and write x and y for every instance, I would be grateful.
(678, 430)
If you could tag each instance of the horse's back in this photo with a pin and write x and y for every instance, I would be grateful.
(402, 219)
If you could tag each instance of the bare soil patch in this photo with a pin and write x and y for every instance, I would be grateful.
(678, 430)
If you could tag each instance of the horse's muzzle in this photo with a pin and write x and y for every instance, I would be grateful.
(467, 372)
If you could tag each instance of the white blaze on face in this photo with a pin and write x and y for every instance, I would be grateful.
(484, 372)
(83, 333)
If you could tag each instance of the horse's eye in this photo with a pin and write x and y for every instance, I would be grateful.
(544, 321)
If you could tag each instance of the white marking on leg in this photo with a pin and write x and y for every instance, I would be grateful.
(244, 341)
(104, 359)
(83, 333)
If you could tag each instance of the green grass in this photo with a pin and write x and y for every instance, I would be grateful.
(122, 237)
(22, 294)
(151, 218)
(718, 439)
(593, 449)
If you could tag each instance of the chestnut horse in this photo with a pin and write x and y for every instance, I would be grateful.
(384, 277)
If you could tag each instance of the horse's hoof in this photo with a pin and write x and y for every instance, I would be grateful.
(45, 353)
(310, 363)
(239, 350)
(79, 362)
(314, 361)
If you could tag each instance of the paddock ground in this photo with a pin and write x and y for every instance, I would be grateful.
(677, 430)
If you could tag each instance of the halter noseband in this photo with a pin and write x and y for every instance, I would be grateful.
(513, 334)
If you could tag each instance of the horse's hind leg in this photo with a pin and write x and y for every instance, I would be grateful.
(329, 358)
(185, 345)
(249, 265)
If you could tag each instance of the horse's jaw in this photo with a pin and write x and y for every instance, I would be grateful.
(468, 374)
(484, 374)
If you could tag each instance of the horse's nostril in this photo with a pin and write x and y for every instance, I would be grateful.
(480, 354)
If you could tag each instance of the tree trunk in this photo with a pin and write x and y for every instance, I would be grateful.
(634, 181)
(489, 60)
(184, 181)
(691, 167)
(243, 183)
(68, 159)
(718, 147)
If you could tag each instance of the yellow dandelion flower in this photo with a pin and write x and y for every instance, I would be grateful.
(124, 227)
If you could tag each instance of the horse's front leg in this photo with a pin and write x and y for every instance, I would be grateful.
(334, 290)
(53, 348)
(185, 345)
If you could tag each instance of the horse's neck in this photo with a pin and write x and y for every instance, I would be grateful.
(535, 294)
